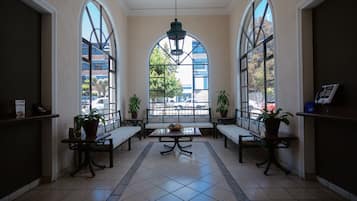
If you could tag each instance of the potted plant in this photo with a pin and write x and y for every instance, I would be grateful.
(89, 122)
(134, 106)
(222, 103)
(272, 121)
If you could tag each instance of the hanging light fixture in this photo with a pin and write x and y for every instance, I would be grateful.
(176, 35)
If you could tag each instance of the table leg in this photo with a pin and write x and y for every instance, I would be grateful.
(97, 165)
(261, 163)
(170, 150)
(168, 146)
(190, 145)
(270, 160)
(181, 149)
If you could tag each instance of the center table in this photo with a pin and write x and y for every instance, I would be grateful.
(176, 135)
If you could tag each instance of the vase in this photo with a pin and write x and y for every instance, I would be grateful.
(134, 115)
(224, 113)
(90, 127)
(272, 127)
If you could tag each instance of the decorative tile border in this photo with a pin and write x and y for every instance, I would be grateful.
(124, 182)
(238, 192)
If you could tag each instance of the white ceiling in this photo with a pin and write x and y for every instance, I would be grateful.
(184, 7)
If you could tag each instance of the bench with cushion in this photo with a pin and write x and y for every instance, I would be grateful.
(245, 132)
(163, 117)
(120, 134)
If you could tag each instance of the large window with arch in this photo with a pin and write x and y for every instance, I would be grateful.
(98, 56)
(179, 83)
(257, 66)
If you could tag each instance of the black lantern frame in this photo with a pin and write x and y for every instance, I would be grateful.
(176, 36)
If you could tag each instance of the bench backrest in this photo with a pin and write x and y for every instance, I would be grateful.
(248, 120)
(171, 115)
(112, 121)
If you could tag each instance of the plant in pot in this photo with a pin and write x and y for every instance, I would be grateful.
(89, 122)
(272, 119)
(222, 103)
(134, 106)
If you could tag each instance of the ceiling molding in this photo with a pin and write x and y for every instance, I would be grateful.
(180, 12)
(193, 8)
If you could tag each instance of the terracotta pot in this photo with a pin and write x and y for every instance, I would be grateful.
(272, 127)
(134, 115)
(90, 128)
(224, 113)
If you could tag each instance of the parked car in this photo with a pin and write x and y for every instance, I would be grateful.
(188, 103)
(100, 104)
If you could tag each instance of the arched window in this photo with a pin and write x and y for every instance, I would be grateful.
(257, 66)
(98, 55)
(179, 82)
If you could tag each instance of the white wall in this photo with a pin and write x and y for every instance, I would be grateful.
(68, 63)
(285, 25)
(145, 31)
(136, 36)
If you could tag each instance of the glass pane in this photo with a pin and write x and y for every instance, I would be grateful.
(270, 70)
(86, 26)
(85, 90)
(243, 77)
(112, 65)
(112, 80)
(112, 96)
(270, 48)
(85, 51)
(244, 94)
(243, 63)
(201, 83)
(256, 80)
(268, 23)
(259, 12)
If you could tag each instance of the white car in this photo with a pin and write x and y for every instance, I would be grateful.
(100, 103)
(187, 104)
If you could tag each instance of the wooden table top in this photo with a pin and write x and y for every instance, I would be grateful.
(184, 132)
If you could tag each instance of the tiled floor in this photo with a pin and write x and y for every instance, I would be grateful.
(140, 175)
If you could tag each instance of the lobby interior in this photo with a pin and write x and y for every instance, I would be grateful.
(66, 56)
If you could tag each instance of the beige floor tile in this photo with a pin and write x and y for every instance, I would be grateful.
(219, 193)
(185, 193)
(158, 175)
(200, 186)
(169, 197)
(277, 193)
(44, 195)
(154, 193)
(202, 197)
(256, 194)
(171, 186)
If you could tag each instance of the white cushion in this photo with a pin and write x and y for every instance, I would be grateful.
(186, 125)
(156, 125)
(232, 132)
(121, 134)
(198, 125)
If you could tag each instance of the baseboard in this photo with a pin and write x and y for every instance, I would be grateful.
(16, 194)
(337, 189)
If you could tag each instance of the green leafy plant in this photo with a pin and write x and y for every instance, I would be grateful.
(89, 122)
(222, 102)
(272, 121)
(275, 114)
(134, 105)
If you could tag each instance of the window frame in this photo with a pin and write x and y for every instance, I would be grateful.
(245, 50)
(100, 44)
(178, 61)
